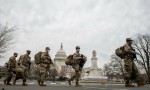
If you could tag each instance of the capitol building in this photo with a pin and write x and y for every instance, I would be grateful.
(59, 63)
(60, 59)
(64, 70)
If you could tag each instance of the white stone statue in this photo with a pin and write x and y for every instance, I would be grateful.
(94, 53)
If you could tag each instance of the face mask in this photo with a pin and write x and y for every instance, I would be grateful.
(130, 42)
(78, 50)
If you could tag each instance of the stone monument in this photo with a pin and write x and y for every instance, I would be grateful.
(93, 72)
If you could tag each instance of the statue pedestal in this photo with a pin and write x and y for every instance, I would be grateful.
(93, 73)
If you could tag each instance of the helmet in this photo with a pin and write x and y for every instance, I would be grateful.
(15, 53)
(129, 39)
(47, 48)
(77, 47)
(28, 51)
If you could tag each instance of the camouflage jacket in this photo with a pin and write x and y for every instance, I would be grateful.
(129, 51)
(25, 60)
(76, 58)
(12, 62)
(45, 58)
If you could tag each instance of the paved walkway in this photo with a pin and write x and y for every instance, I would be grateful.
(65, 86)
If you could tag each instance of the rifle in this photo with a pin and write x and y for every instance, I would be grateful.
(83, 61)
(50, 61)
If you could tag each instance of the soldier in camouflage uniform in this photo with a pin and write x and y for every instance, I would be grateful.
(131, 71)
(44, 66)
(77, 57)
(11, 68)
(25, 62)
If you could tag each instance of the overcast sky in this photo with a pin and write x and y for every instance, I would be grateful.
(101, 25)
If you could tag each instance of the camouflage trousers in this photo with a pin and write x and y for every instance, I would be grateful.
(131, 71)
(77, 74)
(11, 74)
(42, 71)
(26, 71)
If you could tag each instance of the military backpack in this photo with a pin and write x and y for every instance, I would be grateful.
(37, 58)
(69, 60)
(120, 52)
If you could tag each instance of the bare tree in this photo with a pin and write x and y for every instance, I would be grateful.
(6, 38)
(142, 46)
(114, 69)
(108, 71)
(119, 63)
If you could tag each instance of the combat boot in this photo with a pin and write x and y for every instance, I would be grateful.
(69, 82)
(71, 79)
(24, 84)
(128, 85)
(39, 82)
(14, 82)
(8, 81)
(5, 81)
(42, 83)
(77, 84)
